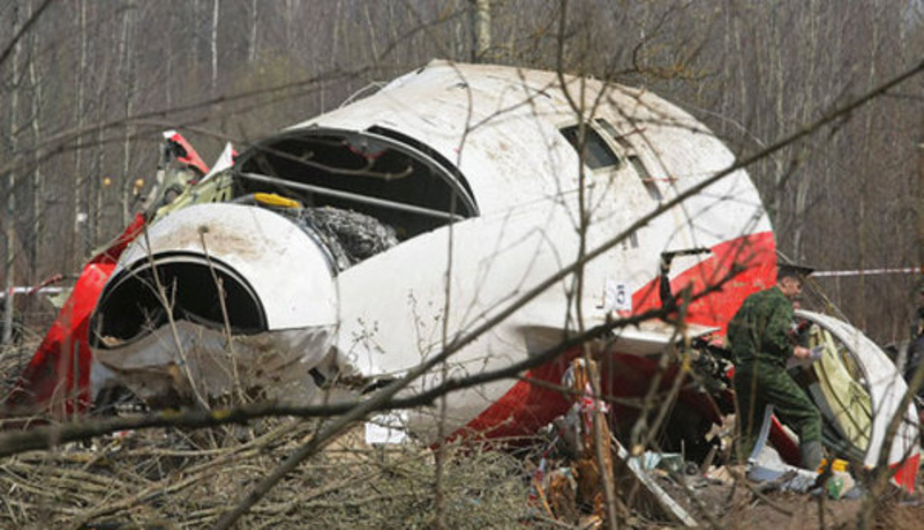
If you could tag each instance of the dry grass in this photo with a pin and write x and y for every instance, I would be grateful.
(181, 480)
(13, 358)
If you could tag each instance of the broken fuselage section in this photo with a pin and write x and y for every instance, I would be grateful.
(480, 174)
(233, 289)
(343, 251)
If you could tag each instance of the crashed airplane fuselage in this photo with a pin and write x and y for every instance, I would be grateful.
(346, 249)
(475, 170)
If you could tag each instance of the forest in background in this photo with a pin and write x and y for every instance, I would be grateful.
(89, 86)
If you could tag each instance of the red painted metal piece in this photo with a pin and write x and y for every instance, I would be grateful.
(784, 445)
(192, 158)
(906, 472)
(57, 379)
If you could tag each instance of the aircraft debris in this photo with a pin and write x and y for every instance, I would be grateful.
(577, 486)
(350, 236)
(765, 464)
(342, 251)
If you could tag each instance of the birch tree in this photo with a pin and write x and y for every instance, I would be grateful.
(9, 265)
(79, 218)
(36, 233)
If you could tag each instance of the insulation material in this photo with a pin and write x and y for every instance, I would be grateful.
(350, 236)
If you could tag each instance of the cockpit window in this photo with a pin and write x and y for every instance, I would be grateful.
(400, 182)
(650, 185)
(597, 154)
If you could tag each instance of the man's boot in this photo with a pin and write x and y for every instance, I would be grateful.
(812, 455)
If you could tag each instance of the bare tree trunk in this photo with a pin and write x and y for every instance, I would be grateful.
(920, 205)
(78, 176)
(9, 268)
(347, 55)
(195, 32)
(803, 185)
(863, 206)
(213, 45)
(168, 66)
(459, 40)
(776, 62)
(290, 17)
(128, 80)
(835, 52)
(742, 77)
(38, 184)
(726, 67)
(252, 42)
(394, 31)
(336, 37)
(372, 35)
(481, 30)
(333, 52)
(95, 189)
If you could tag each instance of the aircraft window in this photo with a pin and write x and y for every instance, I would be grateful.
(598, 154)
(653, 191)
(385, 177)
(614, 134)
(426, 149)
(650, 185)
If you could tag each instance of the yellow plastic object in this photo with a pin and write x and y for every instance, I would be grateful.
(837, 465)
(271, 199)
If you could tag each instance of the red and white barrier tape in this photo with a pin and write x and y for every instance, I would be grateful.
(869, 272)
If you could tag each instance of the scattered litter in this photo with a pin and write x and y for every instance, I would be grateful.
(765, 465)
(839, 484)
(387, 428)
(726, 475)
(767, 468)
(670, 462)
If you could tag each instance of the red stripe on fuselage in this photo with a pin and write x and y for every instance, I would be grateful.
(753, 255)
(526, 407)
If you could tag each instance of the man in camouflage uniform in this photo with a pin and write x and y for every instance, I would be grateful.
(761, 345)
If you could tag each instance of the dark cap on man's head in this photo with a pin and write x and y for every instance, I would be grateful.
(792, 270)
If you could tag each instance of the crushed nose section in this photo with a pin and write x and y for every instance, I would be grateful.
(218, 300)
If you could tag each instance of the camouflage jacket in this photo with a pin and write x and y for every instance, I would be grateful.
(758, 333)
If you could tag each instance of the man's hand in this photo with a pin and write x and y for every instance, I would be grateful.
(804, 357)
(805, 354)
